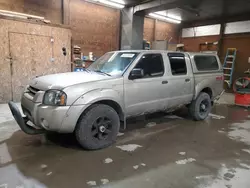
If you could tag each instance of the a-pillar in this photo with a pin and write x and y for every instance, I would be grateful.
(131, 30)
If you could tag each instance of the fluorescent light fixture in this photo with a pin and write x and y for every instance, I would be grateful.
(113, 3)
(174, 17)
(118, 1)
(165, 18)
(164, 13)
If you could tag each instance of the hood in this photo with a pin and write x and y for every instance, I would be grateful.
(62, 80)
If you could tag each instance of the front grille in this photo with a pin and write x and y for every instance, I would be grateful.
(32, 90)
(27, 113)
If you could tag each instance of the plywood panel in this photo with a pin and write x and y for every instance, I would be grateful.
(5, 76)
(27, 58)
(30, 46)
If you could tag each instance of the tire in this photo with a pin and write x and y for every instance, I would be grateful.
(197, 110)
(98, 127)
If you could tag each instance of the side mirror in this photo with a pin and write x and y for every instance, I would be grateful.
(136, 73)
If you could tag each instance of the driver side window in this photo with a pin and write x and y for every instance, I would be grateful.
(152, 65)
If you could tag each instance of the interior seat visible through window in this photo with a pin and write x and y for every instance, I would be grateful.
(177, 64)
(152, 65)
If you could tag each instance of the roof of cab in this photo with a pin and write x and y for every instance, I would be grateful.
(192, 54)
(139, 51)
(165, 51)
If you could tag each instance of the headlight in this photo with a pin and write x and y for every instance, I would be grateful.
(55, 98)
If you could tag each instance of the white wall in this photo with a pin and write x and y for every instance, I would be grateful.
(201, 31)
(208, 30)
(237, 27)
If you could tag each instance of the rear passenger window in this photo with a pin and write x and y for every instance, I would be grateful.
(206, 63)
(178, 64)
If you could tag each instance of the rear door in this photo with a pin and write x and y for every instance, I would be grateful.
(181, 81)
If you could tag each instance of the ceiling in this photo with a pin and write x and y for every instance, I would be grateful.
(191, 10)
(135, 2)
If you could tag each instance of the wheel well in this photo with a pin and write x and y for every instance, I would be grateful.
(114, 105)
(208, 91)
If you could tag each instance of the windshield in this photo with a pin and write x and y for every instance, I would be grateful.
(113, 63)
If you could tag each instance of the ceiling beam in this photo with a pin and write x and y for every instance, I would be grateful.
(217, 20)
(154, 6)
(133, 4)
(160, 5)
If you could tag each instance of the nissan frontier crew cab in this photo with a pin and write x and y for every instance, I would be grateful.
(118, 85)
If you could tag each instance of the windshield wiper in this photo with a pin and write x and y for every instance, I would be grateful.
(102, 72)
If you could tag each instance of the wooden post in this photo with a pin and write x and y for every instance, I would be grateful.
(222, 28)
(220, 44)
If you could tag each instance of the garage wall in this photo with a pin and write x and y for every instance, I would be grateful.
(26, 51)
(160, 30)
(149, 29)
(242, 43)
(192, 44)
(240, 40)
(95, 28)
(50, 9)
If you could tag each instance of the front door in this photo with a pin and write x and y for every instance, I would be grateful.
(148, 93)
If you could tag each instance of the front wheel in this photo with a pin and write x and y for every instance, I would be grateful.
(200, 107)
(98, 127)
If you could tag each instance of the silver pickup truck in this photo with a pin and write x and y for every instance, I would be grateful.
(119, 85)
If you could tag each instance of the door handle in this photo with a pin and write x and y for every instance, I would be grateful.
(187, 80)
(164, 82)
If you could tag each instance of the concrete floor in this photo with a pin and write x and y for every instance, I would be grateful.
(166, 151)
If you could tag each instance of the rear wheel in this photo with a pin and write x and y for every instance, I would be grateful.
(98, 127)
(200, 107)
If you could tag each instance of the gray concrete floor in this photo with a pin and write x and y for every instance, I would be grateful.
(226, 98)
(166, 151)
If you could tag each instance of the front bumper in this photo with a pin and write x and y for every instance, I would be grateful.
(61, 119)
(22, 121)
(46, 117)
